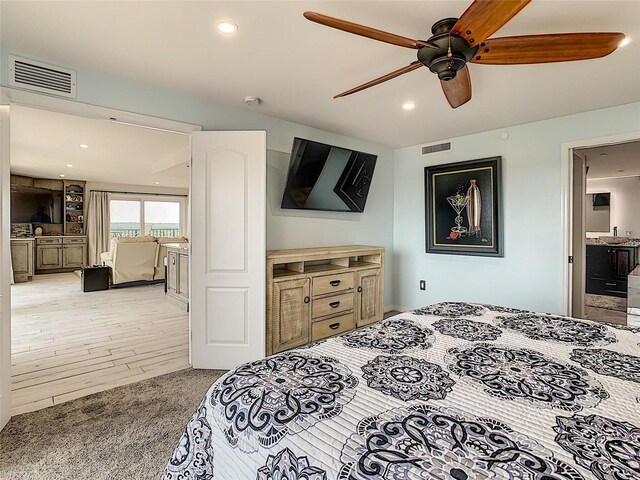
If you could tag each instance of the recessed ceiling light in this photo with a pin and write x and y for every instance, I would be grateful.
(62, 175)
(157, 183)
(227, 27)
(408, 105)
(84, 145)
(624, 42)
(69, 165)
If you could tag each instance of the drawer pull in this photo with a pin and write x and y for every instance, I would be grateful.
(610, 284)
(360, 289)
(334, 283)
(334, 304)
(334, 326)
(306, 299)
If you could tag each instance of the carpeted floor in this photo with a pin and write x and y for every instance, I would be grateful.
(125, 433)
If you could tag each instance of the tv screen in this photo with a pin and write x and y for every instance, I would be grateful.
(324, 177)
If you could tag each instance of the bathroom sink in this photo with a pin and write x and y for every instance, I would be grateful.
(614, 240)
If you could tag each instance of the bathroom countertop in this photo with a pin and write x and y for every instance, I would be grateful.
(635, 272)
(632, 242)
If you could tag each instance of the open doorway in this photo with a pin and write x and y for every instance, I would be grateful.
(88, 192)
(606, 233)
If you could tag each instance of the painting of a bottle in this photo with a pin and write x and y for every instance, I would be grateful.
(474, 207)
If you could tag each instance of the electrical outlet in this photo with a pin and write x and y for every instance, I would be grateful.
(423, 285)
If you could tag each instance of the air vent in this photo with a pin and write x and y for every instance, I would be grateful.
(41, 77)
(441, 147)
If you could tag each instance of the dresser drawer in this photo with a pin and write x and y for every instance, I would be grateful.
(321, 307)
(75, 240)
(331, 326)
(332, 283)
(49, 241)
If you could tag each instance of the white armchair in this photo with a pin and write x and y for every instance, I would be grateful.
(132, 259)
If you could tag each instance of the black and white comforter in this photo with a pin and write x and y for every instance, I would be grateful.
(451, 391)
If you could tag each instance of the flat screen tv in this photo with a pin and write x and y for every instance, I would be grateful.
(329, 178)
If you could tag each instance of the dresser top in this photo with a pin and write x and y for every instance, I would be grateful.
(342, 250)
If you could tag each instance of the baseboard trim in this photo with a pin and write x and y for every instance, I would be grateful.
(397, 308)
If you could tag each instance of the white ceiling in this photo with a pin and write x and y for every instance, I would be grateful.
(43, 143)
(609, 161)
(296, 66)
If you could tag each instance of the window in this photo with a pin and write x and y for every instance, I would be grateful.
(133, 215)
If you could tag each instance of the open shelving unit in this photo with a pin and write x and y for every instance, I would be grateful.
(74, 206)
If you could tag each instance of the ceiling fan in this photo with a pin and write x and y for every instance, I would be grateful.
(456, 42)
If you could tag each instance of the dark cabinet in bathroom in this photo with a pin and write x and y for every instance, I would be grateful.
(608, 267)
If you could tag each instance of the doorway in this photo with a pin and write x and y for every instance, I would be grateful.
(605, 230)
(227, 306)
(66, 342)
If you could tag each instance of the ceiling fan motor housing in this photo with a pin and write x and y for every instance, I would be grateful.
(439, 61)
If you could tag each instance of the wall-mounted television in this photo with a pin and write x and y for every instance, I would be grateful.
(326, 177)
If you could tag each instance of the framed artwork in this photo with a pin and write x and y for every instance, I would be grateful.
(463, 208)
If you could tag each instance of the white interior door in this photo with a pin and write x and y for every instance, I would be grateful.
(5, 272)
(228, 248)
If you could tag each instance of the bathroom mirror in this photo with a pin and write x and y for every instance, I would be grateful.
(598, 212)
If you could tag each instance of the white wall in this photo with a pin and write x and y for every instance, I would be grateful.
(625, 202)
(530, 274)
(284, 229)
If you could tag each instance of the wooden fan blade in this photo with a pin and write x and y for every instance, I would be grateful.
(458, 89)
(558, 47)
(396, 73)
(364, 31)
(484, 17)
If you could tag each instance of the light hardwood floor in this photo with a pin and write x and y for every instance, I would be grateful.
(66, 344)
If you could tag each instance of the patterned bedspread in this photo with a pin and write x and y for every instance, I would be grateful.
(450, 391)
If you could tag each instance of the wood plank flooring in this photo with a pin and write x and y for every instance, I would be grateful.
(66, 344)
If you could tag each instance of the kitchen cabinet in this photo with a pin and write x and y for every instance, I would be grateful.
(178, 277)
(22, 255)
(62, 253)
(608, 267)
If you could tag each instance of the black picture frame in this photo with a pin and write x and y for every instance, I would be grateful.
(463, 208)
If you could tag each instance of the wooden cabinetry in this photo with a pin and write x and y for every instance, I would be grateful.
(291, 307)
(60, 253)
(315, 293)
(74, 202)
(608, 267)
(74, 254)
(178, 277)
(22, 254)
(369, 306)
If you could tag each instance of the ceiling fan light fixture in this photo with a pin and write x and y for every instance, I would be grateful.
(225, 26)
(408, 106)
(624, 42)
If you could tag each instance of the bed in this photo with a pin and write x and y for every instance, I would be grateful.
(450, 391)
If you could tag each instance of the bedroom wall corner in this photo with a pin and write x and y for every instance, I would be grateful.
(531, 273)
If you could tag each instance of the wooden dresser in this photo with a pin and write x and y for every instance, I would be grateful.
(314, 293)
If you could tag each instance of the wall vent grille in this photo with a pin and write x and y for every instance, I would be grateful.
(41, 77)
(441, 147)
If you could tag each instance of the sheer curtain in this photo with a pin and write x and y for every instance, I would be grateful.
(98, 225)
